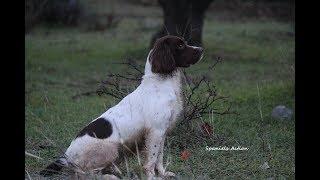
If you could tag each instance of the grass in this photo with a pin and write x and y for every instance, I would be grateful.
(61, 62)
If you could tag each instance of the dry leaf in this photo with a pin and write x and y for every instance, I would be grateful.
(185, 154)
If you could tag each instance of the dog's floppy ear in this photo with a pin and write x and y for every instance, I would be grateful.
(161, 58)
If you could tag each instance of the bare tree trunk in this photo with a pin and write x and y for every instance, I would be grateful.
(183, 18)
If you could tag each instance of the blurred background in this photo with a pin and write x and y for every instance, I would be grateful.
(180, 16)
(71, 46)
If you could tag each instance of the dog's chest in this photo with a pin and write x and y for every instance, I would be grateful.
(176, 103)
(168, 99)
(176, 108)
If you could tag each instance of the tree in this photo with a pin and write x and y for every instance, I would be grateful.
(183, 18)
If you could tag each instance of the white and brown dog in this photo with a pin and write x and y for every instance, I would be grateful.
(144, 116)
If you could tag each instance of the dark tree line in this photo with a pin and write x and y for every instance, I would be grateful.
(184, 18)
(67, 12)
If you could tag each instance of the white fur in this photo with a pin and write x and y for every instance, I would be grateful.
(154, 105)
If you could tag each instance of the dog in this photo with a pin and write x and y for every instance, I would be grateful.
(144, 116)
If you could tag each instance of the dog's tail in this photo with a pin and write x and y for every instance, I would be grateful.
(55, 167)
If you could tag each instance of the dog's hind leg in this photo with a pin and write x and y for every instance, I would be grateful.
(92, 154)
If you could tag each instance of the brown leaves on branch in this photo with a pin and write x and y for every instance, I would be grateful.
(185, 154)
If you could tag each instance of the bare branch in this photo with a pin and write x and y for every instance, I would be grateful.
(199, 93)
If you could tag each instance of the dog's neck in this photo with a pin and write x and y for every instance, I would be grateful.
(147, 68)
(175, 76)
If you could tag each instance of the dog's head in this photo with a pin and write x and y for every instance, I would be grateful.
(171, 52)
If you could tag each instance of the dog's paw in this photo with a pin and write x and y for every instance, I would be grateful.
(168, 174)
(110, 177)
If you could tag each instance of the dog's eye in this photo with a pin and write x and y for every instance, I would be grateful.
(180, 46)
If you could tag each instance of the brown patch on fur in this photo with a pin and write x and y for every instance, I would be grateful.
(162, 60)
(99, 128)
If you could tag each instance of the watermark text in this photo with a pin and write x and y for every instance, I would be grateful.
(225, 148)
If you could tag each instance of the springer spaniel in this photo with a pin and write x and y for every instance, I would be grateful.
(145, 115)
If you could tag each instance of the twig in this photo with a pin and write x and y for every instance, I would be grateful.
(31, 155)
(88, 93)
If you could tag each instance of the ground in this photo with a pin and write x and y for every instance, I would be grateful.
(257, 73)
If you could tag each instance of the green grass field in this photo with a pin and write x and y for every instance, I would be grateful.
(257, 72)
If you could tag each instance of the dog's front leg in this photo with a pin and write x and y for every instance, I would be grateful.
(159, 165)
(153, 145)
